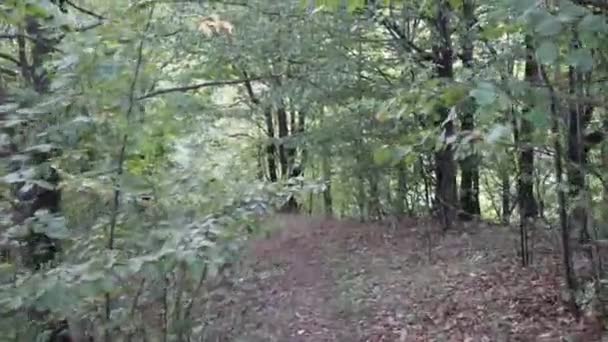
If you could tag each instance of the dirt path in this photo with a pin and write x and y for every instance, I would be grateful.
(329, 280)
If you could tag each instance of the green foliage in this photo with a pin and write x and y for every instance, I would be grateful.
(164, 178)
(484, 94)
(547, 52)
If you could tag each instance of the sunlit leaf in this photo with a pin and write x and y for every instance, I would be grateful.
(383, 155)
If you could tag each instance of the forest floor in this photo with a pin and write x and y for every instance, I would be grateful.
(329, 280)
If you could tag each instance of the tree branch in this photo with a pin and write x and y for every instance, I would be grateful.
(88, 27)
(249, 89)
(10, 58)
(30, 38)
(84, 10)
(15, 36)
(7, 71)
(396, 32)
(198, 86)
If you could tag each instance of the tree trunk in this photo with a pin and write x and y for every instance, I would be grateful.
(260, 163)
(268, 120)
(327, 199)
(375, 211)
(361, 198)
(427, 185)
(402, 203)
(291, 149)
(528, 208)
(527, 201)
(42, 249)
(561, 196)
(445, 167)
(271, 147)
(506, 198)
(360, 179)
(579, 116)
(295, 169)
(469, 181)
(283, 133)
(604, 164)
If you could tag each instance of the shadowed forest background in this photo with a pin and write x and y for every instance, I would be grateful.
(363, 170)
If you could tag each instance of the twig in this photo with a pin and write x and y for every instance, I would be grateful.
(165, 323)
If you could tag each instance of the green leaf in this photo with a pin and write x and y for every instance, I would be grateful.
(36, 10)
(456, 4)
(581, 59)
(547, 53)
(539, 119)
(496, 133)
(569, 11)
(484, 94)
(454, 94)
(593, 23)
(383, 155)
(493, 32)
(549, 26)
(522, 5)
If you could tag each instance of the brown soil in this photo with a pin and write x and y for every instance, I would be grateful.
(331, 280)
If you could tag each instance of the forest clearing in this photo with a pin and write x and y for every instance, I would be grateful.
(233, 170)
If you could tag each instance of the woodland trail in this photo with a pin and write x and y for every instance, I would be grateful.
(330, 280)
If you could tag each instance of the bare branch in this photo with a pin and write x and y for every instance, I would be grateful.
(396, 32)
(10, 58)
(84, 10)
(88, 27)
(240, 135)
(198, 86)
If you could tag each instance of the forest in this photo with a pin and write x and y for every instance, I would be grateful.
(303, 170)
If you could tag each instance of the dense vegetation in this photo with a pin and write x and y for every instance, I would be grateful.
(142, 141)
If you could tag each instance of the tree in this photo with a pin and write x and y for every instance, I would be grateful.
(469, 182)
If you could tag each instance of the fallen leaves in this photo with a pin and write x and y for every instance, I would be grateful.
(458, 298)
